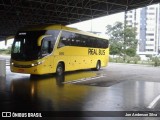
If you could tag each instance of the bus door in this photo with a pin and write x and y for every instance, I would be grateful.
(46, 51)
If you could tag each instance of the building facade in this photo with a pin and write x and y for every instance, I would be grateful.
(147, 22)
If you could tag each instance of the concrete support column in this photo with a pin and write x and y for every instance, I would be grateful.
(2, 68)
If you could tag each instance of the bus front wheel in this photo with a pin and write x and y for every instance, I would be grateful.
(60, 69)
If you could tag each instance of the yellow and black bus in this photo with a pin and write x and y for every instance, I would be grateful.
(56, 49)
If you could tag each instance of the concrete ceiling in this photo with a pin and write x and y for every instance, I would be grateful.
(18, 13)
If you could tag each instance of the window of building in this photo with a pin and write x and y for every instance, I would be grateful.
(149, 44)
(151, 39)
(150, 13)
(150, 34)
(151, 8)
(130, 11)
(129, 16)
(149, 50)
(150, 29)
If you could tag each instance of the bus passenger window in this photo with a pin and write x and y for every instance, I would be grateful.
(67, 39)
(62, 42)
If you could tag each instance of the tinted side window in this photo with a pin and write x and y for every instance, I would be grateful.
(74, 39)
(101, 43)
(66, 39)
(54, 34)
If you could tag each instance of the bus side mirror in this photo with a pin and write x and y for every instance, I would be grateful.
(39, 41)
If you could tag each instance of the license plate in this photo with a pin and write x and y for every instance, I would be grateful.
(21, 70)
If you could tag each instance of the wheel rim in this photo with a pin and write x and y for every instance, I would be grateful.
(98, 66)
(59, 69)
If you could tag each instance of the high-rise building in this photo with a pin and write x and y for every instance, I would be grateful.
(147, 22)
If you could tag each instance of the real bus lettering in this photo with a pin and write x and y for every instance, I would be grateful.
(101, 52)
(92, 51)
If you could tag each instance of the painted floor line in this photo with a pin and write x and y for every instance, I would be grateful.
(82, 80)
(154, 102)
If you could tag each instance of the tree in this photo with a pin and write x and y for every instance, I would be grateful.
(115, 33)
(122, 40)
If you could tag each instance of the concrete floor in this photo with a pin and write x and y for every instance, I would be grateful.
(118, 87)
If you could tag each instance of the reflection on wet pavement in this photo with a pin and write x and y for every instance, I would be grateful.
(46, 92)
(49, 92)
(83, 90)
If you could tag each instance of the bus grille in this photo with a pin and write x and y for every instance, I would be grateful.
(23, 66)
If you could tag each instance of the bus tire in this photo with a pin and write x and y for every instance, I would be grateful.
(98, 65)
(60, 69)
(33, 76)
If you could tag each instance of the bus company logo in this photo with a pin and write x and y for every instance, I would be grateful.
(92, 51)
(6, 114)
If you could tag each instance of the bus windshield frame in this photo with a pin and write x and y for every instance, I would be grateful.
(25, 47)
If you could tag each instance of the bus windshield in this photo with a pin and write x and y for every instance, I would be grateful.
(25, 46)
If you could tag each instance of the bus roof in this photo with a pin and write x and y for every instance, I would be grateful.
(59, 27)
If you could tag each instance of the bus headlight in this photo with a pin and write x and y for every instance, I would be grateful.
(37, 63)
(32, 65)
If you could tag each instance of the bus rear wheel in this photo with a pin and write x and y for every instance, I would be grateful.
(60, 69)
(98, 66)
